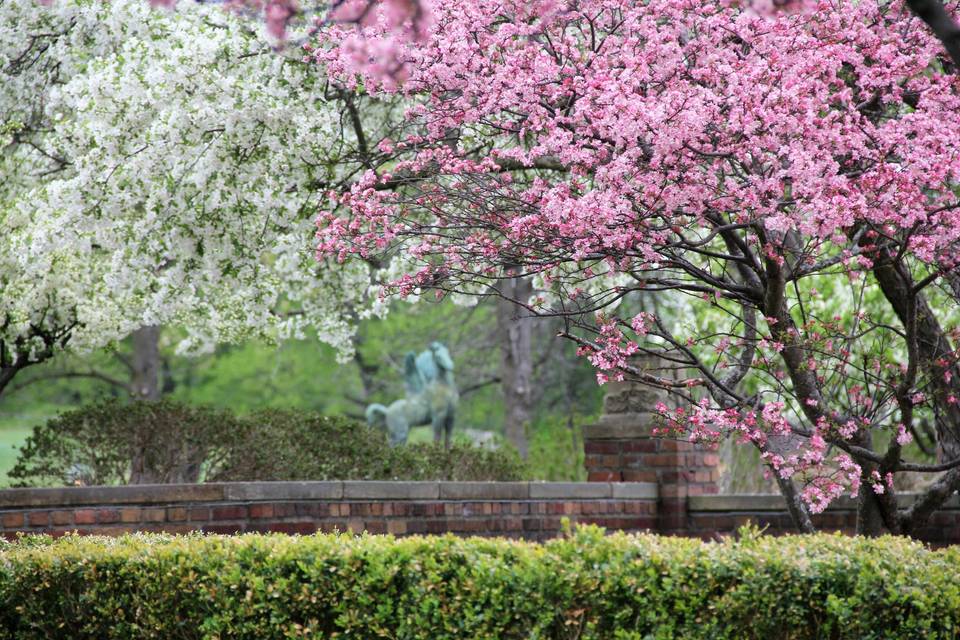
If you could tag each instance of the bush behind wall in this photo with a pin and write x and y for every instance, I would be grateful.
(182, 443)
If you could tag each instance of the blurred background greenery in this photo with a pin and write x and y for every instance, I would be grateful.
(305, 374)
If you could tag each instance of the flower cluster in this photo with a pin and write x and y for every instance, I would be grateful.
(165, 167)
(716, 151)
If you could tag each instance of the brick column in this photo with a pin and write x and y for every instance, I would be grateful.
(620, 447)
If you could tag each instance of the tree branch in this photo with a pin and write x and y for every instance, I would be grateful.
(941, 23)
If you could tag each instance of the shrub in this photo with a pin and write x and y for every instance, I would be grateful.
(586, 586)
(172, 442)
(298, 445)
(114, 443)
(278, 444)
(462, 462)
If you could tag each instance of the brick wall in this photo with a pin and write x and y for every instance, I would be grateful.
(713, 516)
(531, 510)
(621, 447)
(510, 509)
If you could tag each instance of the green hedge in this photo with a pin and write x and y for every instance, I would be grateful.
(174, 442)
(585, 586)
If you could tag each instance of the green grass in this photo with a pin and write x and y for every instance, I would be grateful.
(15, 427)
(11, 437)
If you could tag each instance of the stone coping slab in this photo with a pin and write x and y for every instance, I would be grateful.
(772, 502)
(323, 490)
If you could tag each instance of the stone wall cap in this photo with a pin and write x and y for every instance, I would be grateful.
(737, 502)
(126, 494)
(635, 490)
(390, 490)
(775, 502)
(570, 490)
(621, 426)
(484, 490)
(316, 490)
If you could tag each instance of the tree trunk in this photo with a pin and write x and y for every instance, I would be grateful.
(145, 378)
(935, 358)
(516, 363)
(145, 383)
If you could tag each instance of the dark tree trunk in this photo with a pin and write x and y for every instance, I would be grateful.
(516, 363)
(144, 385)
(145, 378)
(934, 349)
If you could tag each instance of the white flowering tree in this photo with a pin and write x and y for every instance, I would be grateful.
(164, 167)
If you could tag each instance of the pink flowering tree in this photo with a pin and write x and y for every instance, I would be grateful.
(766, 201)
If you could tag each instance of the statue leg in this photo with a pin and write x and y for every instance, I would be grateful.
(448, 427)
(397, 428)
(437, 423)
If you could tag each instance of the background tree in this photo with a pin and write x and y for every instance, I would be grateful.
(784, 181)
(164, 168)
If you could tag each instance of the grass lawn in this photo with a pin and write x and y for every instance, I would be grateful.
(11, 437)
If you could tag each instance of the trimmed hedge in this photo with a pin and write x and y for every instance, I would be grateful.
(584, 586)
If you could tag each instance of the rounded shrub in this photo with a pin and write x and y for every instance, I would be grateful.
(116, 443)
(283, 444)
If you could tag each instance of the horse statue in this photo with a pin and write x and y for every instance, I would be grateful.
(432, 397)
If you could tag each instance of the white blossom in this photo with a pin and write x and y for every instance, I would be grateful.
(164, 168)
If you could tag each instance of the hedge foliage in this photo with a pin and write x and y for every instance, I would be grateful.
(97, 443)
(278, 444)
(175, 442)
(584, 586)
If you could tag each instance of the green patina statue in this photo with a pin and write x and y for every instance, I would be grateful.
(431, 397)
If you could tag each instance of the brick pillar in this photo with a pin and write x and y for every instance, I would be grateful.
(620, 447)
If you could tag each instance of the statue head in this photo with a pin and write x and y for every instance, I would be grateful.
(441, 356)
(413, 378)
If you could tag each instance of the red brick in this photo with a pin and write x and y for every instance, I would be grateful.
(38, 518)
(199, 514)
(645, 445)
(662, 460)
(434, 527)
(85, 516)
(675, 445)
(158, 514)
(603, 476)
(12, 520)
(108, 516)
(378, 527)
(130, 514)
(61, 518)
(230, 512)
(260, 511)
(355, 525)
(639, 476)
(594, 446)
(176, 514)
(397, 527)
(288, 510)
(306, 510)
(673, 490)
